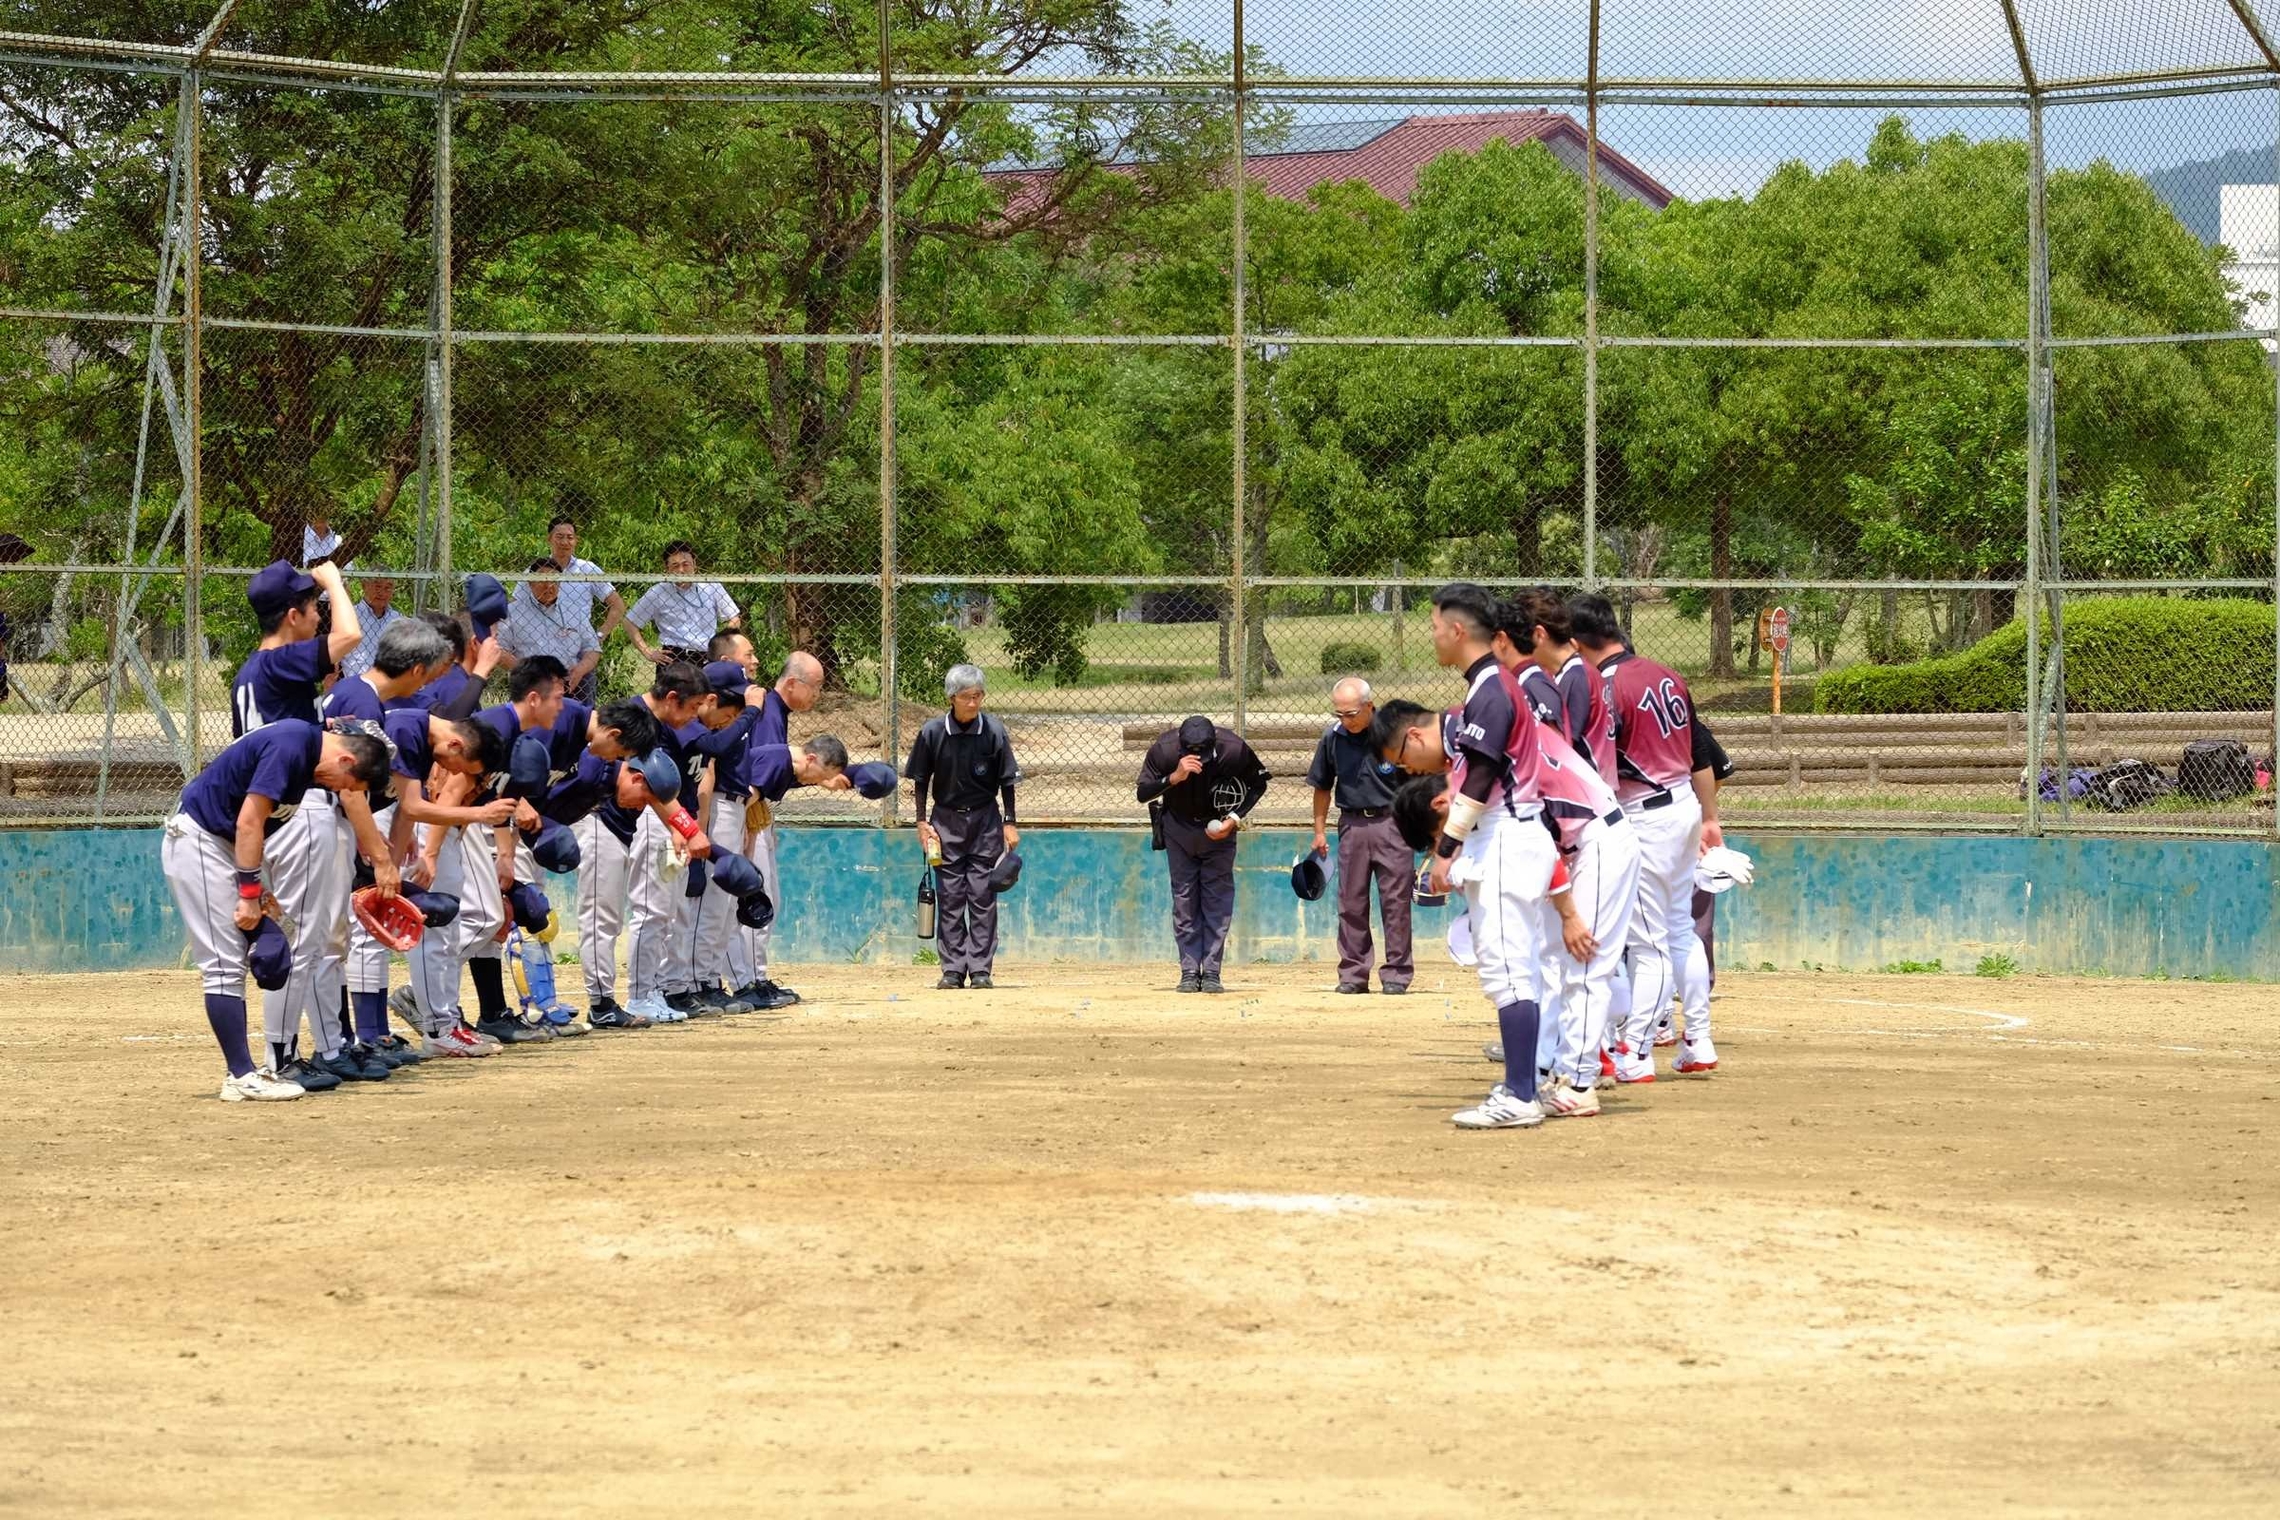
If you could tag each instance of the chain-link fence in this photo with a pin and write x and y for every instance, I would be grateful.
(1903, 375)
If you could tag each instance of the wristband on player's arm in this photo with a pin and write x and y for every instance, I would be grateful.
(249, 885)
(679, 821)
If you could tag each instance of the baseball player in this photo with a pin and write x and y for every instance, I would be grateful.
(1492, 843)
(404, 659)
(1675, 816)
(771, 768)
(1514, 646)
(720, 729)
(965, 759)
(1579, 693)
(711, 981)
(610, 799)
(284, 678)
(1701, 953)
(678, 697)
(219, 852)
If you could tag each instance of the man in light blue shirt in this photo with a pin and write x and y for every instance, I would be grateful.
(537, 623)
(376, 611)
(576, 599)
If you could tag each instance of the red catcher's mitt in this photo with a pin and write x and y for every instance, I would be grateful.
(393, 921)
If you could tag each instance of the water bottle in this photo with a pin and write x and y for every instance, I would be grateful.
(926, 904)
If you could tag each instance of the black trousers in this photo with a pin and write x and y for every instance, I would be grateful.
(965, 907)
(1203, 892)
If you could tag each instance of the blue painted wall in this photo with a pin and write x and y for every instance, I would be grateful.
(93, 900)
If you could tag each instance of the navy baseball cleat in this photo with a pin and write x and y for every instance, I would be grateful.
(347, 1065)
(767, 997)
(308, 1077)
(398, 1051)
(510, 1031)
(604, 1013)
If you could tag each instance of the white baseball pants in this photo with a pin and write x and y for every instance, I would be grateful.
(297, 864)
(1663, 921)
(202, 870)
(1507, 865)
(1603, 878)
(603, 864)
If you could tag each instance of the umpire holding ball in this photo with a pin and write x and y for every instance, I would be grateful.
(1204, 780)
(1346, 769)
(965, 759)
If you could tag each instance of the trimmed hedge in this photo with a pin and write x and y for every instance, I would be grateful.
(1341, 657)
(2123, 654)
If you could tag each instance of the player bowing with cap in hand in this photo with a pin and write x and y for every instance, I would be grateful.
(218, 850)
(966, 760)
(1201, 781)
(771, 767)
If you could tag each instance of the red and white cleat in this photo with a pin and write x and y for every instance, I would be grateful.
(1698, 1059)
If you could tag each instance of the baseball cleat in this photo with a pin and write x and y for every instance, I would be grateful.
(398, 1051)
(724, 1001)
(1189, 982)
(1394, 989)
(686, 1004)
(457, 1042)
(307, 1076)
(509, 1031)
(654, 1009)
(260, 1087)
(404, 1006)
(1666, 1032)
(1564, 1100)
(560, 1020)
(471, 1032)
(1633, 1070)
(1502, 1109)
(1493, 1051)
(1606, 1072)
(1698, 1059)
(766, 997)
(355, 1063)
(606, 1014)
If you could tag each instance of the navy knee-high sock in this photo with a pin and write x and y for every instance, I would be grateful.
(226, 1015)
(490, 988)
(347, 1022)
(371, 1016)
(1520, 1023)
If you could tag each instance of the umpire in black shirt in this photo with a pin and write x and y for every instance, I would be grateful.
(965, 758)
(1201, 780)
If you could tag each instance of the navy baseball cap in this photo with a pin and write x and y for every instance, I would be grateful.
(1197, 734)
(268, 956)
(529, 906)
(1006, 872)
(278, 587)
(727, 675)
(873, 778)
(735, 875)
(756, 910)
(555, 849)
(436, 908)
(1307, 878)
(486, 603)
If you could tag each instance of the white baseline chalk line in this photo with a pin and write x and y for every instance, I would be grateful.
(2001, 1031)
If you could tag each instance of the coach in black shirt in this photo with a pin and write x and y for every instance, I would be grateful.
(1206, 780)
(965, 758)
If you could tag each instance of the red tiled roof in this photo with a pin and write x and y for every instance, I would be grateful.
(1391, 160)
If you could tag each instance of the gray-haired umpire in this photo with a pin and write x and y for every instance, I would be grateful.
(1369, 845)
(966, 760)
(1207, 781)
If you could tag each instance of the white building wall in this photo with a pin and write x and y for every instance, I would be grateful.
(2248, 223)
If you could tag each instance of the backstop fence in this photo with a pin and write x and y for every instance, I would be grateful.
(1903, 374)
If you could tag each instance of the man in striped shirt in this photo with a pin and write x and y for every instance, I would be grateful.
(376, 612)
(578, 598)
(684, 611)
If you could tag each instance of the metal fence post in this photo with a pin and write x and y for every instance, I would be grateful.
(2038, 407)
(1238, 624)
(443, 277)
(889, 677)
(1591, 310)
(194, 417)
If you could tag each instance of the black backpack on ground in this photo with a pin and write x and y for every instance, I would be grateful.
(2127, 784)
(2216, 770)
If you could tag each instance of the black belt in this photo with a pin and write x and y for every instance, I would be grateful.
(1613, 817)
(1661, 799)
(682, 653)
(1356, 812)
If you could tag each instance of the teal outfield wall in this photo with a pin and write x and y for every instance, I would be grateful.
(93, 900)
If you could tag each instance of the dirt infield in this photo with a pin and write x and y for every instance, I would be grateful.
(1925, 1245)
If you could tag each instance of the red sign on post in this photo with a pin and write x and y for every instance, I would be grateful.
(1777, 631)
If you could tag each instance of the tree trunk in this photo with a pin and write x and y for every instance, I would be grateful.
(1722, 599)
(1528, 540)
(1887, 650)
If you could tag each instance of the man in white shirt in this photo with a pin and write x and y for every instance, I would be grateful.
(684, 611)
(319, 542)
(577, 598)
(375, 613)
(537, 624)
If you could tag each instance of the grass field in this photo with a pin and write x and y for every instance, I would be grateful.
(1925, 1246)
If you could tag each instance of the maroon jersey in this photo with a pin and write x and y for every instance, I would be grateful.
(1654, 735)
(1597, 737)
(1573, 792)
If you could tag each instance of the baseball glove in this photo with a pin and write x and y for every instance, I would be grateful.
(393, 921)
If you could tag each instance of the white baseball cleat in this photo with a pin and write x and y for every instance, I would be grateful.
(1698, 1059)
(654, 1009)
(1563, 1100)
(1666, 1032)
(261, 1086)
(1631, 1069)
(1502, 1109)
(1493, 1052)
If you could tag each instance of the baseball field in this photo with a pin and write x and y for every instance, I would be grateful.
(1924, 1246)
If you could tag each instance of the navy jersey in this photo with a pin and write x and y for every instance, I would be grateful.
(407, 729)
(723, 750)
(355, 698)
(452, 694)
(565, 741)
(1493, 735)
(1577, 682)
(620, 821)
(277, 761)
(274, 684)
(767, 764)
(591, 785)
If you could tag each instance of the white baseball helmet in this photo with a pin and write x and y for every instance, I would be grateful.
(1721, 868)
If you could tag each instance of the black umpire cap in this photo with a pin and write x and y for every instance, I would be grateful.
(1197, 735)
